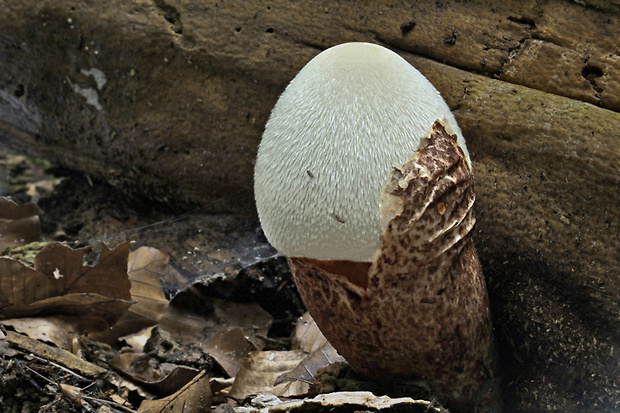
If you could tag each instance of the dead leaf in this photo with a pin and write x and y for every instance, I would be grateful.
(202, 330)
(228, 348)
(137, 340)
(307, 370)
(19, 224)
(250, 317)
(10, 210)
(309, 338)
(93, 297)
(163, 381)
(108, 278)
(50, 329)
(147, 268)
(136, 366)
(194, 397)
(260, 370)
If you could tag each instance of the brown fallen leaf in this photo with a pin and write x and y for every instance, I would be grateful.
(194, 397)
(306, 371)
(108, 277)
(90, 298)
(202, 330)
(260, 370)
(52, 329)
(147, 267)
(165, 380)
(250, 317)
(136, 341)
(228, 348)
(307, 335)
(137, 366)
(322, 354)
(19, 224)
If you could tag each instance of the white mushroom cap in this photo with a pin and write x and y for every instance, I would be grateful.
(351, 115)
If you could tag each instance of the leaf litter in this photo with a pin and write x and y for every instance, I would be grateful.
(189, 314)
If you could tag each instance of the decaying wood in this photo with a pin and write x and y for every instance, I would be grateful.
(54, 354)
(169, 98)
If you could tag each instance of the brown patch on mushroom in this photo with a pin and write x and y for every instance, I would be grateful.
(355, 272)
(441, 208)
(424, 310)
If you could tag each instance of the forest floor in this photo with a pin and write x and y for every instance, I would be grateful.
(212, 319)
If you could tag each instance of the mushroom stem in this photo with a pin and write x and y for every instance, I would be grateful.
(424, 309)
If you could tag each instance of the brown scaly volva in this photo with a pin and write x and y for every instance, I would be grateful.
(421, 307)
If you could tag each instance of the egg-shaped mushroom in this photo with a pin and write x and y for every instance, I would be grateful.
(364, 182)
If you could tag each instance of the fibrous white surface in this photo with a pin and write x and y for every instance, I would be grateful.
(351, 115)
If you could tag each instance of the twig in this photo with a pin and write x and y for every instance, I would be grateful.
(108, 403)
(60, 367)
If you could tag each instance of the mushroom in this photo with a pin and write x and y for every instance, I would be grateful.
(364, 182)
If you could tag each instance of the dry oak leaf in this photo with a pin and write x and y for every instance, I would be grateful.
(49, 329)
(19, 224)
(91, 298)
(206, 331)
(321, 354)
(229, 347)
(147, 269)
(260, 370)
(164, 380)
(308, 336)
(194, 397)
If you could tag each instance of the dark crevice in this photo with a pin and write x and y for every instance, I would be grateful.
(20, 91)
(314, 45)
(171, 14)
(523, 20)
(407, 26)
(591, 73)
